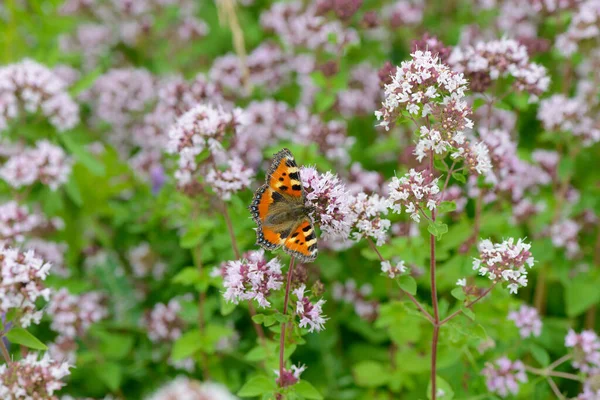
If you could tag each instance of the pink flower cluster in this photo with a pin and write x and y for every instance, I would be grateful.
(22, 277)
(367, 212)
(233, 179)
(31, 87)
(290, 376)
(144, 262)
(504, 261)
(561, 114)
(202, 127)
(504, 376)
(310, 314)
(300, 27)
(72, 315)
(186, 388)
(162, 322)
(349, 293)
(45, 163)
(486, 62)
(564, 234)
(252, 278)
(586, 351)
(52, 252)
(415, 191)
(584, 27)
(32, 378)
(527, 319)
(16, 221)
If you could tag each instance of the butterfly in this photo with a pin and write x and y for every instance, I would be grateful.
(280, 211)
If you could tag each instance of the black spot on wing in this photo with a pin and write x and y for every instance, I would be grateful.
(297, 187)
(294, 234)
(295, 175)
(290, 163)
(307, 228)
(283, 188)
(277, 197)
(284, 234)
(311, 236)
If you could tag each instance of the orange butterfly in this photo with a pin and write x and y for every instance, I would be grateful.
(280, 211)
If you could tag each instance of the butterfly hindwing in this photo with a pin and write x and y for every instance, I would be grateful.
(266, 237)
(284, 175)
(302, 242)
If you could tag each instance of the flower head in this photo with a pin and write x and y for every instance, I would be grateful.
(586, 351)
(503, 376)
(415, 191)
(393, 271)
(30, 375)
(235, 178)
(252, 278)
(504, 261)
(163, 323)
(527, 320)
(290, 376)
(72, 315)
(186, 388)
(310, 314)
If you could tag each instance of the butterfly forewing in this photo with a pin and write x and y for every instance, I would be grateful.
(284, 175)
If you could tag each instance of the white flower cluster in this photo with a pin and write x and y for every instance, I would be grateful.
(21, 284)
(35, 88)
(45, 163)
(415, 191)
(310, 314)
(367, 215)
(393, 270)
(186, 388)
(29, 375)
(504, 261)
(163, 323)
(16, 221)
(559, 113)
(417, 85)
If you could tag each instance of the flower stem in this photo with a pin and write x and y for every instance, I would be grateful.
(411, 297)
(455, 313)
(434, 301)
(258, 328)
(196, 255)
(284, 324)
(5, 353)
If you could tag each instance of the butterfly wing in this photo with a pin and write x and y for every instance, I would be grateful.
(284, 175)
(266, 237)
(302, 242)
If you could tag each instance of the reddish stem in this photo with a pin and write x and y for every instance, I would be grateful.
(411, 297)
(284, 324)
(455, 313)
(4, 350)
(434, 300)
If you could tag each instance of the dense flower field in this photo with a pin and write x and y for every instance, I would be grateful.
(304, 199)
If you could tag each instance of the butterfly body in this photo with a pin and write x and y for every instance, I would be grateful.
(280, 211)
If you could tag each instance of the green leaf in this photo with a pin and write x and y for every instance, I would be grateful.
(83, 156)
(324, 101)
(437, 229)
(565, 168)
(370, 374)
(443, 389)
(468, 312)
(115, 345)
(580, 294)
(308, 391)
(408, 284)
(73, 191)
(256, 386)
(189, 343)
(540, 354)
(111, 374)
(446, 206)
(458, 293)
(196, 232)
(23, 337)
(227, 307)
(259, 318)
(319, 79)
(188, 276)
(459, 177)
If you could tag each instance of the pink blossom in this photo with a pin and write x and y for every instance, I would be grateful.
(367, 215)
(31, 87)
(42, 377)
(504, 261)
(252, 278)
(162, 322)
(393, 270)
(503, 376)
(310, 314)
(45, 163)
(230, 181)
(586, 350)
(415, 191)
(527, 320)
(290, 376)
(52, 252)
(145, 262)
(22, 284)
(72, 315)
(350, 294)
(564, 234)
(186, 388)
